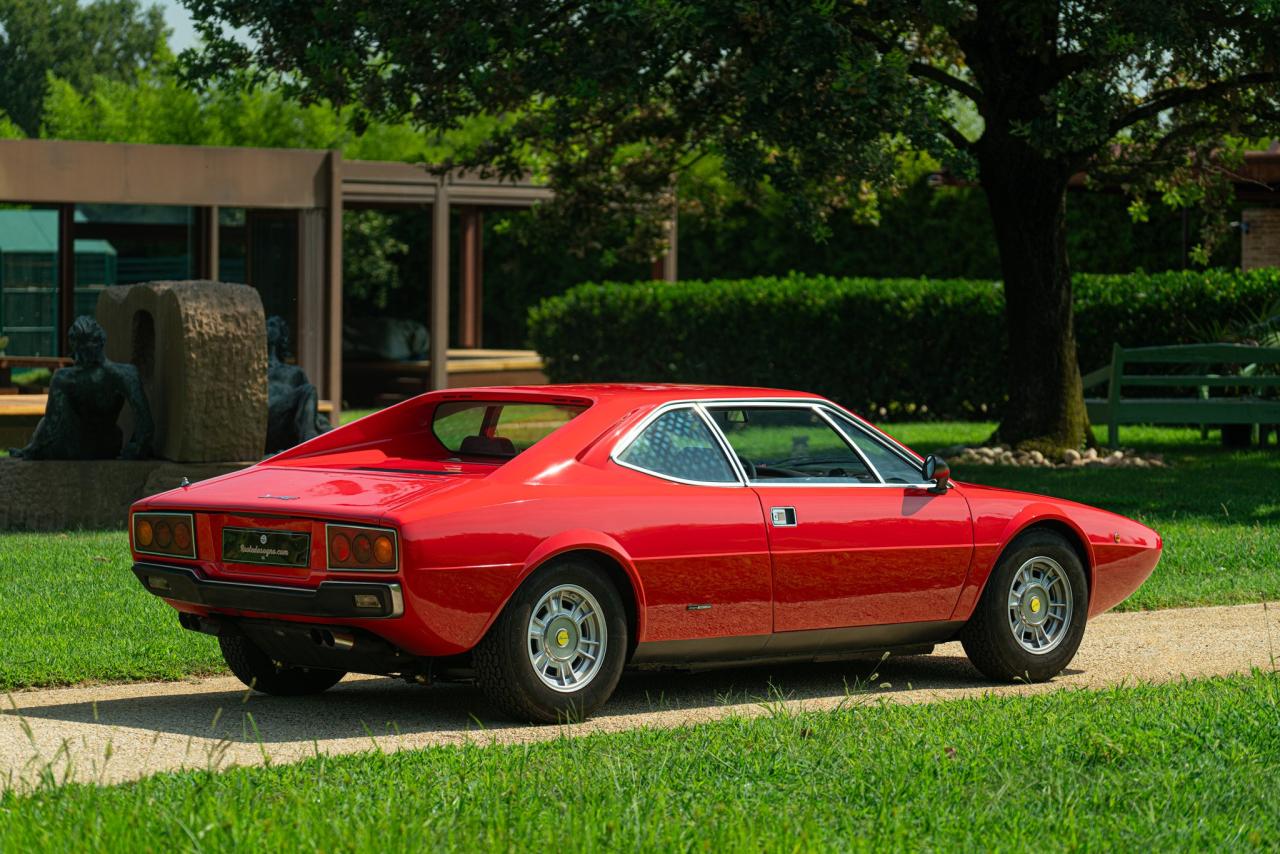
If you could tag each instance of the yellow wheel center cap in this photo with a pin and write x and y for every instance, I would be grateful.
(1035, 604)
(562, 637)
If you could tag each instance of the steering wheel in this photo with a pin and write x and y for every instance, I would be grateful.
(747, 466)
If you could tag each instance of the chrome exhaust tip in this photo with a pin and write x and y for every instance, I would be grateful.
(333, 640)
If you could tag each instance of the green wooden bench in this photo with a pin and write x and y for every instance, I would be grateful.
(1240, 405)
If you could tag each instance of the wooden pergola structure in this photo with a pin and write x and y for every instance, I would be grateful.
(315, 186)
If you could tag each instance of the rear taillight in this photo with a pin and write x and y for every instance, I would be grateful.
(167, 534)
(361, 548)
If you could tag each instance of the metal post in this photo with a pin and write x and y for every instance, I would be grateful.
(440, 286)
(310, 332)
(471, 308)
(66, 276)
(211, 248)
(333, 338)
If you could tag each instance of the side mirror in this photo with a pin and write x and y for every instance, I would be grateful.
(938, 472)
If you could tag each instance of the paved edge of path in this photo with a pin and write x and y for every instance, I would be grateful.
(110, 733)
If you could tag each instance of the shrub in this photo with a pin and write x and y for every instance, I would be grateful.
(914, 347)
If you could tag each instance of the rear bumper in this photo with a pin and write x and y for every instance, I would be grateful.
(332, 599)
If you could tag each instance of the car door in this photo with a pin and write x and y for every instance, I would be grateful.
(850, 546)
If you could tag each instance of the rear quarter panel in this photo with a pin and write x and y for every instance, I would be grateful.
(678, 544)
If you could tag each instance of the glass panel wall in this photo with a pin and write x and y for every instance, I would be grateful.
(152, 242)
(29, 281)
(232, 246)
(272, 262)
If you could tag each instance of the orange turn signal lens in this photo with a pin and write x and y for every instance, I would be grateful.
(167, 534)
(359, 548)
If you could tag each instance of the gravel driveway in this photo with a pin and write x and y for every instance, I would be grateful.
(110, 733)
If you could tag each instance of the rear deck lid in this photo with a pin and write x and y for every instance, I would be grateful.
(324, 492)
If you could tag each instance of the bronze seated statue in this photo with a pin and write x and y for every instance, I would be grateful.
(85, 400)
(293, 413)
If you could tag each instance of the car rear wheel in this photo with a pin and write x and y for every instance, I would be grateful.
(256, 669)
(556, 651)
(1031, 617)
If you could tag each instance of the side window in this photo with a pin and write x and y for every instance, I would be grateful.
(789, 445)
(679, 444)
(892, 467)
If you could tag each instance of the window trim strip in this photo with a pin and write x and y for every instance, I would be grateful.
(882, 439)
(831, 422)
(825, 408)
(634, 433)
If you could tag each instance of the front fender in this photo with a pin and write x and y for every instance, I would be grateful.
(993, 531)
(1038, 513)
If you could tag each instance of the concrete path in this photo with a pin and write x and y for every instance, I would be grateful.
(110, 733)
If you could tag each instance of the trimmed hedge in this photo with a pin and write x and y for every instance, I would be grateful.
(928, 348)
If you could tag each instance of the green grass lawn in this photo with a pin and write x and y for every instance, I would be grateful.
(1192, 766)
(349, 415)
(70, 609)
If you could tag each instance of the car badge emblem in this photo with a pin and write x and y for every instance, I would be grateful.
(562, 637)
(1035, 606)
(280, 497)
(263, 539)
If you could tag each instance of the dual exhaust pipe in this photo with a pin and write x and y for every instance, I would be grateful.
(212, 625)
(333, 640)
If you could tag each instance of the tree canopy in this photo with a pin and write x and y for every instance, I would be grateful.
(104, 38)
(818, 101)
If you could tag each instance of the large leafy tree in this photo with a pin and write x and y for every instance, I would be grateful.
(816, 100)
(110, 38)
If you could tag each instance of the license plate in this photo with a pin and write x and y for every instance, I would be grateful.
(270, 548)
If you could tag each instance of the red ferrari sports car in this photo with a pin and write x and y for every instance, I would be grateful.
(539, 540)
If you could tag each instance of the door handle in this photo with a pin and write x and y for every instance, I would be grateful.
(783, 517)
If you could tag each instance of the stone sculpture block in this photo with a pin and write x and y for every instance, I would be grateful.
(202, 357)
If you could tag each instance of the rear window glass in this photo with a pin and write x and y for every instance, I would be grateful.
(679, 444)
(486, 428)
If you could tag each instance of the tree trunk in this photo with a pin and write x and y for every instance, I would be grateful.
(1027, 199)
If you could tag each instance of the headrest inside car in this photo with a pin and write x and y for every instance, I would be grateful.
(487, 446)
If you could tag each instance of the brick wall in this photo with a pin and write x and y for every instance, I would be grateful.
(1260, 243)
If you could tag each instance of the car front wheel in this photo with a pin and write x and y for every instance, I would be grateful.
(1031, 617)
(557, 650)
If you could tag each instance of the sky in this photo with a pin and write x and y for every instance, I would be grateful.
(175, 15)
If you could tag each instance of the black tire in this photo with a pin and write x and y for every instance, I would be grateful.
(255, 669)
(502, 661)
(988, 637)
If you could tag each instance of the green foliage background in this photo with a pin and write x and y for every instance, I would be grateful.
(79, 42)
(899, 347)
(936, 232)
